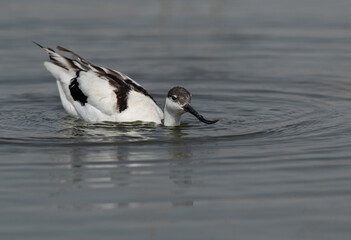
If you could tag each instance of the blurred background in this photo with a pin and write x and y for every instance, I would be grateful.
(276, 165)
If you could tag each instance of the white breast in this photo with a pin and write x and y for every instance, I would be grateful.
(140, 108)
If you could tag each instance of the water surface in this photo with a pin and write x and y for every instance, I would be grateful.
(276, 165)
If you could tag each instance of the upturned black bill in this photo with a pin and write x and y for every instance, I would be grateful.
(191, 110)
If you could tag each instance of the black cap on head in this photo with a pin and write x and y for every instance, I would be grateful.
(180, 95)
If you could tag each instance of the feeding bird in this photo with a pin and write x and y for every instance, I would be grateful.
(97, 94)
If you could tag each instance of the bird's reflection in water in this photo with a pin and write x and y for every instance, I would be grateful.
(97, 167)
(101, 162)
(106, 131)
(181, 169)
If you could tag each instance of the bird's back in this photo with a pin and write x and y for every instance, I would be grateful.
(97, 94)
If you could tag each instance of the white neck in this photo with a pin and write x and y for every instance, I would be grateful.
(171, 115)
(171, 120)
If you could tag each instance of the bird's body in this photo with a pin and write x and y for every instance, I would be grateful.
(97, 94)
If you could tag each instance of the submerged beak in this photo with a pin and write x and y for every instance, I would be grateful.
(191, 110)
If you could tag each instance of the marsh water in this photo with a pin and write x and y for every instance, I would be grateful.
(277, 165)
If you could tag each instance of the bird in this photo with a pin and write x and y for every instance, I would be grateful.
(99, 94)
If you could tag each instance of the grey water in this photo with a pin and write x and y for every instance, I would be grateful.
(276, 166)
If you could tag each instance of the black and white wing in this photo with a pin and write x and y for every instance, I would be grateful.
(96, 93)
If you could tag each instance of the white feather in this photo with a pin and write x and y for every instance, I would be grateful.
(66, 100)
(100, 93)
(140, 108)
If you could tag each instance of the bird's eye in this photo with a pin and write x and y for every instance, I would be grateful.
(174, 97)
